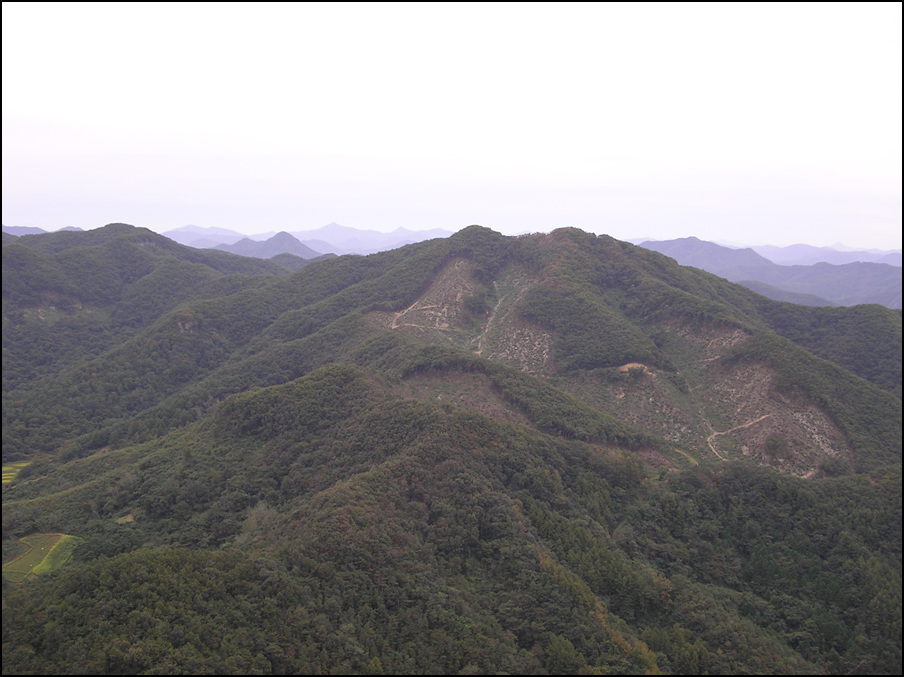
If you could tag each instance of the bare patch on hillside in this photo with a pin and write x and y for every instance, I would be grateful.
(756, 421)
(502, 335)
(507, 337)
(716, 411)
(53, 312)
(627, 368)
(645, 398)
(439, 311)
(471, 391)
(527, 348)
(748, 417)
(710, 343)
(440, 307)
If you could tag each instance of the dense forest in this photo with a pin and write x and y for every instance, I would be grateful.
(547, 454)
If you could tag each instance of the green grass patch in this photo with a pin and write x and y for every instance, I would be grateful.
(10, 471)
(58, 555)
(46, 553)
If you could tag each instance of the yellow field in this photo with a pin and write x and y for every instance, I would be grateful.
(10, 471)
(46, 553)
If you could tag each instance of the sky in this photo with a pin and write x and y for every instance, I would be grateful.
(741, 123)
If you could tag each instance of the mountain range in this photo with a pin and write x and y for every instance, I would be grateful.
(547, 454)
(355, 241)
(281, 243)
(818, 284)
(807, 255)
(329, 239)
(792, 274)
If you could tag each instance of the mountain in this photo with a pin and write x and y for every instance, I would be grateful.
(22, 230)
(330, 239)
(203, 238)
(711, 257)
(557, 453)
(777, 294)
(291, 262)
(807, 255)
(847, 284)
(68, 297)
(281, 243)
(336, 239)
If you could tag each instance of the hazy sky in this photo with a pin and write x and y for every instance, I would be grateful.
(740, 122)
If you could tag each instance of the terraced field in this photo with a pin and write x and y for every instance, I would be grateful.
(46, 553)
(10, 471)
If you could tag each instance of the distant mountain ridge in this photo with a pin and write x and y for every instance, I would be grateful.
(203, 237)
(808, 255)
(18, 231)
(281, 243)
(842, 284)
(329, 239)
(336, 239)
(345, 240)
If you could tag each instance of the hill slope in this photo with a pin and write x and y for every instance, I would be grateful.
(70, 296)
(556, 453)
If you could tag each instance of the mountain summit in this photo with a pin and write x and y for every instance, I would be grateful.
(281, 243)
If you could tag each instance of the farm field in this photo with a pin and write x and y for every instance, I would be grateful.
(46, 553)
(10, 471)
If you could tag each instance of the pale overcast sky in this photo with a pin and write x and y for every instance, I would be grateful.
(746, 123)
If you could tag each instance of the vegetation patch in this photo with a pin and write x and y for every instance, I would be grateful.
(46, 553)
(11, 470)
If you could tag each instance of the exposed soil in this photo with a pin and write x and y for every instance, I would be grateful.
(470, 391)
(502, 335)
(714, 411)
(437, 314)
(705, 408)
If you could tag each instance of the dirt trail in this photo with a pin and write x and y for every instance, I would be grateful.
(414, 306)
(709, 440)
(483, 334)
(437, 305)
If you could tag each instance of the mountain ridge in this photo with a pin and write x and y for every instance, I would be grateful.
(281, 243)
(802, 254)
(845, 284)
(560, 446)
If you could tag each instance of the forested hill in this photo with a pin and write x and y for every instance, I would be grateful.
(72, 295)
(553, 453)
